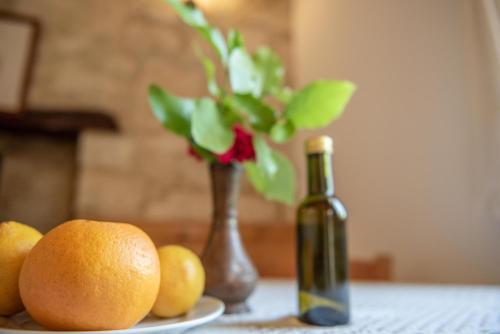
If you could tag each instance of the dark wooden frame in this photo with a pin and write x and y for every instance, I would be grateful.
(32, 52)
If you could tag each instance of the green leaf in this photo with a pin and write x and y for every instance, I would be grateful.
(216, 40)
(282, 131)
(256, 176)
(231, 117)
(261, 116)
(243, 76)
(203, 153)
(174, 113)
(270, 68)
(319, 103)
(234, 40)
(209, 67)
(264, 156)
(188, 13)
(284, 95)
(193, 17)
(209, 128)
(281, 186)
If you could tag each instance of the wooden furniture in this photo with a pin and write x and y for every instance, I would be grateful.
(39, 149)
(38, 146)
(56, 121)
(21, 35)
(271, 247)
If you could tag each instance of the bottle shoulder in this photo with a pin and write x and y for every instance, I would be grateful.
(328, 200)
(323, 203)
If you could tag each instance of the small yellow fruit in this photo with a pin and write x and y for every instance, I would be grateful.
(89, 275)
(182, 281)
(16, 241)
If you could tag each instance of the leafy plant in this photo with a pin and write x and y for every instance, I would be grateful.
(235, 124)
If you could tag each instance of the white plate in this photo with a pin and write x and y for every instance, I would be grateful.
(207, 309)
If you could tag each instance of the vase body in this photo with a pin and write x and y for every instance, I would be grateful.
(230, 274)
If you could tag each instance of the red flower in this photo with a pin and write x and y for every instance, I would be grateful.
(242, 149)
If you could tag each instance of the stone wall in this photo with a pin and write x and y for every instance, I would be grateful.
(37, 179)
(104, 54)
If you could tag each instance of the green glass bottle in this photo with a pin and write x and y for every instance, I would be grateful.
(322, 263)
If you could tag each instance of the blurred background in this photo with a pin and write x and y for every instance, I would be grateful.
(417, 154)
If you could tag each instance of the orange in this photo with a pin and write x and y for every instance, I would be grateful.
(89, 275)
(16, 241)
(182, 281)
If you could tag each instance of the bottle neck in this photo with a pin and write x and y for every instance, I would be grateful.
(320, 174)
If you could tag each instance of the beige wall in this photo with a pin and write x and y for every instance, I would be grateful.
(416, 156)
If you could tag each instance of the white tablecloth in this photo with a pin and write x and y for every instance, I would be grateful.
(375, 308)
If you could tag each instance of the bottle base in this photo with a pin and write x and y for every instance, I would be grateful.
(324, 316)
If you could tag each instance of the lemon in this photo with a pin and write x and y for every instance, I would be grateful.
(182, 281)
(16, 241)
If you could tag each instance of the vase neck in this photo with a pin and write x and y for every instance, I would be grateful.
(225, 181)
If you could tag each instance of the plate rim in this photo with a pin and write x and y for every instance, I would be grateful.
(172, 326)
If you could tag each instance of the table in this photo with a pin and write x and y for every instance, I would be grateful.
(376, 308)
